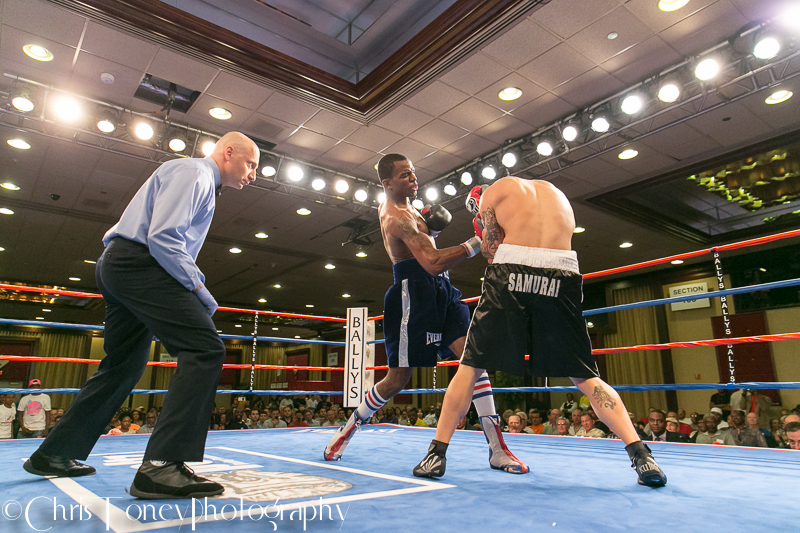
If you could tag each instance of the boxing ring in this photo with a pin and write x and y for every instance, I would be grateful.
(276, 479)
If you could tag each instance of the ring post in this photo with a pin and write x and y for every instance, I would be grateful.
(355, 356)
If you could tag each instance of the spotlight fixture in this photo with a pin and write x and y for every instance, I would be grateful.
(629, 153)
(509, 93)
(601, 125)
(361, 195)
(106, 120)
(270, 166)
(294, 172)
(544, 148)
(509, 159)
(22, 98)
(450, 189)
(778, 96)
(318, 184)
(18, 144)
(39, 53)
(632, 104)
(177, 140)
(669, 92)
(466, 178)
(432, 194)
(570, 132)
(766, 48)
(381, 197)
(207, 148)
(671, 5)
(417, 204)
(66, 108)
(143, 131)
(488, 172)
(220, 113)
(706, 69)
(341, 186)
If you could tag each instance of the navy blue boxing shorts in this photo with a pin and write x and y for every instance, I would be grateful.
(422, 316)
(531, 305)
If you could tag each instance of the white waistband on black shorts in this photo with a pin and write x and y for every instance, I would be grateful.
(566, 260)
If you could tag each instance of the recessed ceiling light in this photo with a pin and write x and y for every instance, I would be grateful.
(297, 336)
(330, 266)
(706, 69)
(778, 96)
(671, 5)
(763, 269)
(6, 211)
(261, 235)
(613, 35)
(39, 318)
(589, 325)
(39, 53)
(262, 300)
(74, 279)
(677, 261)
(18, 143)
(9, 186)
(46, 310)
(274, 329)
(235, 250)
(220, 113)
(361, 254)
(481, 279)
(630, 153)
(509, 93)
(2, 249)
(89, 261)
(578, 229)
(237, 325)
(303, 211)
(626, 245)
(208, 148)
(309, 305)
(345, 295)
(277, 286)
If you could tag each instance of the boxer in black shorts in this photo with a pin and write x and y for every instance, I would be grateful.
(531, 305)
(424, 318)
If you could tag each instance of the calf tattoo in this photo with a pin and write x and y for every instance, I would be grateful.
(603, 398)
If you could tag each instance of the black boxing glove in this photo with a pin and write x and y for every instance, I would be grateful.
(436, 218)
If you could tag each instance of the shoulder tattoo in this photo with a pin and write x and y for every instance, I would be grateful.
(492, 233)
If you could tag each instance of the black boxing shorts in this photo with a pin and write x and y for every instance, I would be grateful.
(422, 316)
(531, 305)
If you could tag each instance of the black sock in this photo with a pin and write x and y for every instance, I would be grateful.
(438, 448)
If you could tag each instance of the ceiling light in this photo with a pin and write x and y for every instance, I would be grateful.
(677, 261)
(544, 148)
(767, 48)
(381, 197)
(345, 295)
(207, 148)
(578, 229)
(275, 329)
(237, 325)
(318, 184)
(105, 125)
(47, 310)
(341, 186)
(417, 203)
(74, 279)
(509, 93)
(361, 195)
(294, 172)
(762, 269)
(22, 104)
(450, 189)
(509, 159)
(18, 143)
(2, 249)
(39, 318)
(6, 211)
(629, 153)
(9, 186)
(589, 324)
(601, 125)
(466, 178)
(669, 92)
(303, 211)
(307, 305)
(39, 53)
(706, 69)
(488, 172)
(261, 235)
(626, 245)
(67, 108)
(177, 144)
(778, 96)
(144, 131)
(268, 171)
(277, 286)
(21, 98)
(632, 104)
(613, 35)
(361, 254)
(89, 262)
(298, 336)
(235, 250)
(432, 194)
(220, 113)
(671, 5)
(570, 133)
(791, 16)
(330, 266)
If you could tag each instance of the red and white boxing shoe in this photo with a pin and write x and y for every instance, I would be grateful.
(500, 457)
(335, 448)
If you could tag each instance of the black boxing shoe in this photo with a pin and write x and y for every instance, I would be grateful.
(158, 480)
(647, 469)
(433, 465)
(52, 465)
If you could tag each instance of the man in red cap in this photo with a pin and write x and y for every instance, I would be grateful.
(34, 412)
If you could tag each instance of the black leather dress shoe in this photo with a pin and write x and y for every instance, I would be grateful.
(171, 480)
(53, 465)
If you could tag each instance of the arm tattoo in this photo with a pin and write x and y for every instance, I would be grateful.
(603, 398)
(492, 234)
(410, 234)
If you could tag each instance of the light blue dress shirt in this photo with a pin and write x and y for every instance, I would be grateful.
(171, 214)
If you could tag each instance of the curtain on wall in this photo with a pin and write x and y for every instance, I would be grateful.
(635, 326)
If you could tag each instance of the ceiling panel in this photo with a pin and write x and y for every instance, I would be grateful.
(556, 66)
(331, 124)
(287, 109)
(704, 29)
(475, 74)
(412, 149)
(239, 91)
(177, 68)
(373, 138)
(119, 47)
(86, 79)
(503, 129)
(523, 42)
(436, 98)
(404, 120)
(658, 20)
(438, 134)
(594, 43)
(589, 87)
(530, 91)
(567, 17)
(12, 40)
(646, 58)
(472, 114)
(544, 110)
(43, 18)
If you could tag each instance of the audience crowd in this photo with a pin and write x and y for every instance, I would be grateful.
(741, 418)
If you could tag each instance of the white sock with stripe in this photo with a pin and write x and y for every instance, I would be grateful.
(372, 402)
(482, 396)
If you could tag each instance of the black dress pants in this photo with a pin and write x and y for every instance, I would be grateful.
(143, 300)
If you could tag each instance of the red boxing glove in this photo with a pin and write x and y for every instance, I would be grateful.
(474, 199)
(477, 223)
